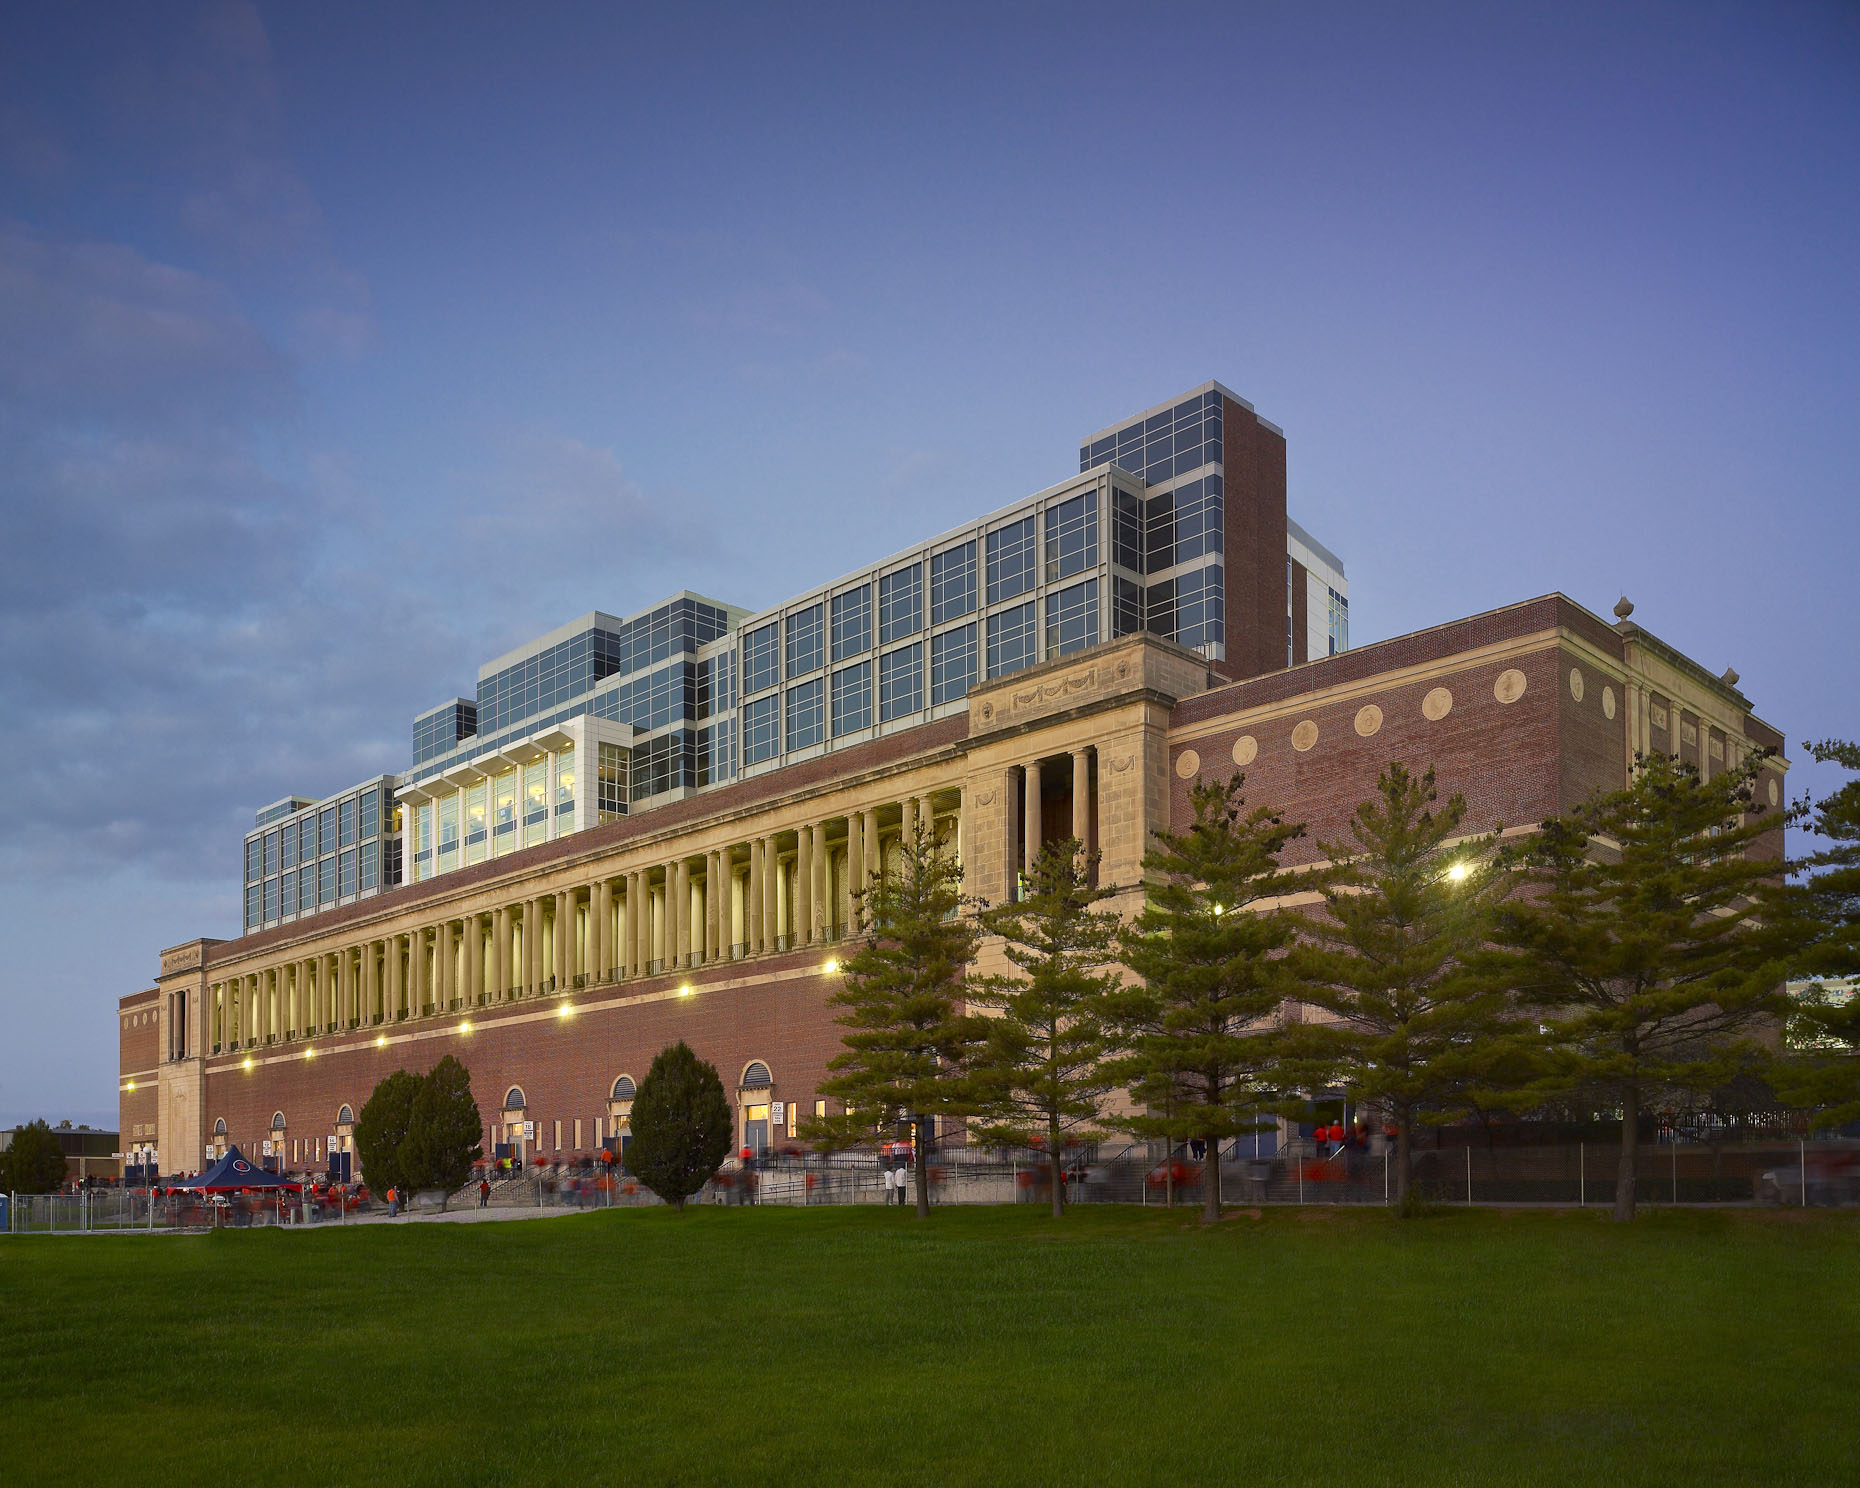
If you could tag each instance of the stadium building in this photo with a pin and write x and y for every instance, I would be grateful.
(651, 827)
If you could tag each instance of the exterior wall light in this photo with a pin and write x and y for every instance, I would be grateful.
(830, 967)
(566, 1010)
(381, 1041)
(248, 1061)
(685, 991)
(465, 1027)
(130, 1086)
(1457, 872)
(309, 1053)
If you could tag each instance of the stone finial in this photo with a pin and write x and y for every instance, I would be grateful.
(1730, 677)
(1623, 608)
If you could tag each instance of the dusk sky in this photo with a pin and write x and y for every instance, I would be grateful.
(344, 348)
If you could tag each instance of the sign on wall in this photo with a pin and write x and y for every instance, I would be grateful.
(775, 1112)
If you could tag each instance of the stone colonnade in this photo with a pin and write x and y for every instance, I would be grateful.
(781, 890)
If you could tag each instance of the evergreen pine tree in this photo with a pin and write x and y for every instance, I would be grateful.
(681, 1125)
(1198, 1037)
(444, 1132)
(1827, 1073)
(1042, 1067)
(381, 1130)
(1405, 905)
(1650, 941)
(909, 1040)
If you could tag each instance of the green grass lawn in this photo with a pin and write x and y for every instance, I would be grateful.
(987, 1346)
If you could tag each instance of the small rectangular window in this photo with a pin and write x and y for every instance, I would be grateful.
(852, 623)
(952, 664)
(806, 641)
(952, 583)
(901, 683)
(370, 812)
(287, 894)
(254, 859)
(347, 879)
(1013, 640)
(761, 658)
(1072, 619)
(852, 699)
(371, 864)
(806, 710)
(1011, 560)
(326, 830)
(326, 881)
(271, 899)
(761, 739)
(288, 847)
(347, 809)
(900, 604)
(1071, 536)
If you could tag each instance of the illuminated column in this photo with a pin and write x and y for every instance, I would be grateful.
(474, 959)
(600, 907)
(1033, 830)
(500, 953)
(678, 886)
(752, 907)
(804, 885)
(564, 941)
(874, 847)
(849, 882)
(907, 828)
(396, 982)
(716, 902)
(771, 893)
(1082, 814)
(817, 882)
(371, 984)
(416, 973)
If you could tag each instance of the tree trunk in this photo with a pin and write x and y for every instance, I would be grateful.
(1625, 1173)
(923, 1167)
(1211, 1182)
(1404, 1156)
(1057, 1167)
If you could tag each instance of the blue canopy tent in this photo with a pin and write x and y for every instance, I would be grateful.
(233, 1173)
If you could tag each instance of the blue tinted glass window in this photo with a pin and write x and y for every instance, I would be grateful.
(852, 623)
(306, 839)
(761, 724)
(952, 583)
(326, 830)
(900, 604)
(952, 664)
(326, 881)
(1072, 618)
(371, 864)
(306, 889)
(254, 906)
(1127, 530)
(254, 860)
(901, 683)
(287, 894)
(1126, 606)
(806, 714)
(852, 698)
(271, 899)
(1011, 560)
(1013, 640)
(807, 649)
(761, 658)
(346, 882)
(271, 852)
(370, 813)
(288, 847)
(347, 809)
(1071, 536)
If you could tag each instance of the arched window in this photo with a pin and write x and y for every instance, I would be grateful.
(277, 1121)
(345, 1117)
(756, 1076)
(624, 1088)
(513, 1099)
(219, 1127)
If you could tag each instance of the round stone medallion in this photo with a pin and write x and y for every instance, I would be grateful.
(1510, 685)
(1187, 764)
(1575, 683)
(1608, 702)
(1775, 794)
(1304, 736)
(1246, 749)
(1368, 719)
(1437, 704)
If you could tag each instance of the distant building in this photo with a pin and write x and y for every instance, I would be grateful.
(90, 1152)
(1820, 992)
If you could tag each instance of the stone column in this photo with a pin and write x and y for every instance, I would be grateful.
(345, 987)
(874, 847)
(771, 888)
(1081, 798)
(907, 828)
(565, 958)
(600, 907)
(752, 906)
(849, 879)
(716, 900)
(804, 886)
(371, 984)
(500, 953)
(396, 984)
(533, 947)
(820, 912)
(474, 959)
(1031, 830)
(416, 973)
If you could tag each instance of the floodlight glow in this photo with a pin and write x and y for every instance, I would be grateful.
(685, 991)
(464, 1027)
(381, 1041)
(248, 1061)
(1457, 872)
(830, 967)
(309, 1053)
(566, 1010)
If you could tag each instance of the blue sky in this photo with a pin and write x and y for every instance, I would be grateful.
(343, 348)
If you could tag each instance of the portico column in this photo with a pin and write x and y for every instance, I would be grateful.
(1082, 813)
(474, 959)
(804, 886)
(817, 896)
(678, 887)
(396, 983)
(874, 847)
(371, 984)
(564, 941)
(855, 866)
(907, 823)
(345, 988)
(629, 956)
(416, 973)
(752, 908)
(716, 895)
(1033, 831)
(771, 889)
